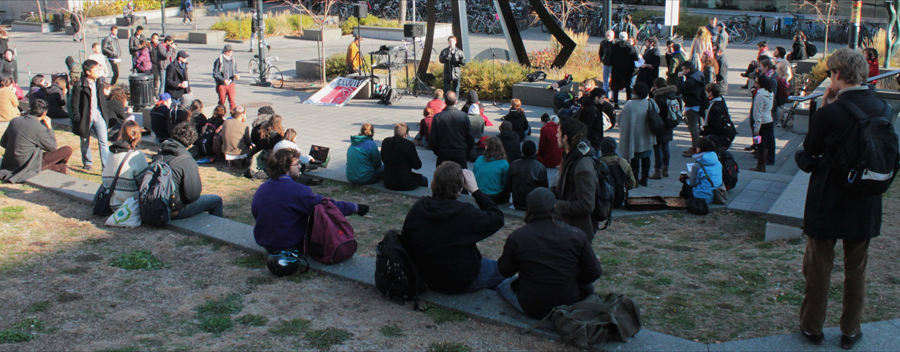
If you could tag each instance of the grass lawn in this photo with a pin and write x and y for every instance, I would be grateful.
(708, 279)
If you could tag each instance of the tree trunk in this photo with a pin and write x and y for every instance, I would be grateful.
(322, 50)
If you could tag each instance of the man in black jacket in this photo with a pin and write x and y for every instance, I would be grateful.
(89, 113)
(832, 212)
(605, 57)
(56, 99)
(592, 116)
(577, 180)
(452, 58)
(134, 43)
(449, 136)
(186, 176)
(440, 233)
(525, 175)
(113, 53)
(31, 146)
(177, 84)
(400, 158)
(165, 55)
(623, 57)
(555, 262)
(692, 94)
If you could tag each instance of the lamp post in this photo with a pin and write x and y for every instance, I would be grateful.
(162, 7)
(855, 14)
(259, 36)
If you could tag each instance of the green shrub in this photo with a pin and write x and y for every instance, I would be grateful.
(14, 336)
(391, 331)
(137, 260)
(449, 347)
(290, 327)
(490, 79)
(335, 65)
(348, 26)
(216, 324)
(99, 8)
(228, 305)
(235, 25)
(441, 315)
(687, 22)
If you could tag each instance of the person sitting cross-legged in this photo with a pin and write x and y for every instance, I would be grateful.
(440, 233)
(491, 169)
(554, 260)
(525, 175)
(30, 146)
(363, 158)
(400, 158)
(282, 206)
(186, 175)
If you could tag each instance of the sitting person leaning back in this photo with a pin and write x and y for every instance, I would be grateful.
(555, 262)
(30, 146)
(440, 233)
(281, 206)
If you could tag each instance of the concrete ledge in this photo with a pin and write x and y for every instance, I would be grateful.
(125, 32)
(782, 232)
(22, 26)
(87, 29)
(785, 218)
(315, 33)
(206, 37)
(441, 30)
(307, 68)
(537, 94)
(138, 21)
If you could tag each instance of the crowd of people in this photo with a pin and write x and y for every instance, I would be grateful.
(441, 232)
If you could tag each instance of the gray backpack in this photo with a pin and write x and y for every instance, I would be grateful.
(156, 196)
(594, 321)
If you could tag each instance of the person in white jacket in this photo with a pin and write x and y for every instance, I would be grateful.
(100, 58)
(765, 125)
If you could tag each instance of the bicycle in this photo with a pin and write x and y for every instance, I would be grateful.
(272, 73)
(28, 16)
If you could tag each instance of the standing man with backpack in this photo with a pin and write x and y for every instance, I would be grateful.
(577, 181)
(186, 176)
(833, 211)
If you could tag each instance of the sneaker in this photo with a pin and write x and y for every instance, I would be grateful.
(88, 168)
(847, 342)
(814, 339)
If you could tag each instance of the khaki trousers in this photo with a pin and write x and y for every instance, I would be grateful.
(817, 265)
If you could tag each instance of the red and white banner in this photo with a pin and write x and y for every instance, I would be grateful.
(338, 92)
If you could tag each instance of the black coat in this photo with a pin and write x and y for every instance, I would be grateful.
(692, 90)
(81, 106)
(56, 101)
(518, 121)
(512, 145)
(174, 76)
(605, 50)
(524, 176)
(830, 212)
(118, 113)
(591, 117)
(449, 135)
(159, 121)
(185, 174)
(552, 262)
(623, 58)
(718, 120)
(452, 63)
(400, 157)
(9, 68)
(662, 95)
(575, 186)
(648, 75)
(440, 236)
(25, 141)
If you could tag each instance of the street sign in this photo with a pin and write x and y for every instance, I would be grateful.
(672, 9)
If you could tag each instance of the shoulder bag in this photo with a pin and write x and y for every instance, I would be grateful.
(100, 205)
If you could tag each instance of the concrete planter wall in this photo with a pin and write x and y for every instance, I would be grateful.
(22, 26)
(206, 37)
(441, 30)
(149, 15)
(315, 34)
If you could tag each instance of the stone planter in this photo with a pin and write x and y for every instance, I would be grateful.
(206, 37)
(22, 26)
(315, 34)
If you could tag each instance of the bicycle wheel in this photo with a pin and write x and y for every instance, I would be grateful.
(254, 69)
(496, 28)
(653, 32)
(274, 76)
(479, 26)
(746, 38)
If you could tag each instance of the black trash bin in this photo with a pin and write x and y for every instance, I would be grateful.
(142, 93)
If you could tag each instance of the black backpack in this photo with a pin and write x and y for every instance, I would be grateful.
(156, 197)
(729, 169)
(205, 141)
(618, 176)
(870, 156)
(604, 194)
(395, 274)
(389, 96)
(563, 100)
(811, 50)
(536, 76)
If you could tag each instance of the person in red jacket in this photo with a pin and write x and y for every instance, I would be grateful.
(437, 104)
(872, 59)
(548, 152)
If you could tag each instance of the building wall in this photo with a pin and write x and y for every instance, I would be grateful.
(12, 10)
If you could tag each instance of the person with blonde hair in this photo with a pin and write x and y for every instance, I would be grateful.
(133, 164)
(400, 158)
(710, 67)
(236, 141)
(702, 42)
(363, 159)
(490, 171)
(516, 117)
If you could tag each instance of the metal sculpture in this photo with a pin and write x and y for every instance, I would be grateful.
(891, 40)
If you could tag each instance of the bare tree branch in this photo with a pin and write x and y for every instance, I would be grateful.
(824, 13)
(321, 20)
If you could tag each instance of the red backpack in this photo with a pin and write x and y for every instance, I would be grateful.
(329, 236)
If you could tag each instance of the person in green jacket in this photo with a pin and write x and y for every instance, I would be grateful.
(363, 159)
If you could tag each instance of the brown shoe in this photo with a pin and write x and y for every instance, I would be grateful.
(656, 175)
(761, 161)
(665, 171)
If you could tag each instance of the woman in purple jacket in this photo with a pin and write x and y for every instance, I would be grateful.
(142, 62)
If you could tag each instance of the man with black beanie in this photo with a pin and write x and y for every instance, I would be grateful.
(526, 174)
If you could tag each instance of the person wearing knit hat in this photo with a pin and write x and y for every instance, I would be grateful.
(159, 117)
(525, 175)
(225, 72)
(554, 260)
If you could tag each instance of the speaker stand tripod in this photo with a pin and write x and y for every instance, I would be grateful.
(417, 85)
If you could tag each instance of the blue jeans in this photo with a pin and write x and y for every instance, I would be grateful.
(607, 69)
(661, 155)
(207, 202)
(488, 278)
(99, 131)
(452, 85)
(506, 291)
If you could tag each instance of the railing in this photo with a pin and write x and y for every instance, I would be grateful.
(812, 98)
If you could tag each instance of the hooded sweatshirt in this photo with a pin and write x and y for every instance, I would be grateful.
(440, 236)
(363, 158)
(185, 174)
(472, 100)
(704, 183)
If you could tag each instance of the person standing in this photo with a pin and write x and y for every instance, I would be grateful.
(30, 146)
(77, 36)
(691, 90)
(449, 137)
(592, 116)
(649, 71)
(113, 53)
(177, 84)
(89, 113)
(100, 59)
(218, 6)
(605, 58)
(187, 10)
(674, 69)
(354, 58)
(722, 38)
(623, 57)
(452, 58)
(259, 30)
(662, 95)
(165, 55)
(832, 213)
(722, 77)
(143, 62)
(549, 153)
(764, 128)
(784, 70)
(134, 43)
(225, 73)
(798, 51)
(577, 181)
(154, 61)
(636, 141)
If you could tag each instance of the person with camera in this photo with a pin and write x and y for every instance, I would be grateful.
(452, 58)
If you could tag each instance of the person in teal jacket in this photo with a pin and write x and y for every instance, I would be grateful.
(491, 169)
(363, 159)
(706, 174)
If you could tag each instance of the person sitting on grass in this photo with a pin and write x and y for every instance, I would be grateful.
(554, 260)
(400, 158)
(30, 146)
(490, 171)
(132, 171)
(440, 233)
(186, 175)
(706, 174)
(236, 142)
(159, 114)
(363, 158)
(525, 175)
(282, 207)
